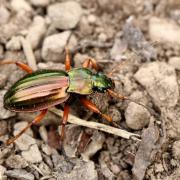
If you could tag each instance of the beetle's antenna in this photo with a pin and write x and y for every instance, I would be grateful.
(116, 68)
(114, 94)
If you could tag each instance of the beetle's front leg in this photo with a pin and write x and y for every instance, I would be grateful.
(23, 66)
(35, 121)
(64, 122)
(91, 63)
(89, 105)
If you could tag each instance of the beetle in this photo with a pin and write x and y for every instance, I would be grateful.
(42, 89)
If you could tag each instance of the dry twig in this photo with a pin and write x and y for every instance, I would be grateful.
(102, 127)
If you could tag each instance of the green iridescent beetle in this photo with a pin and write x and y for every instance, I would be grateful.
(42, 89)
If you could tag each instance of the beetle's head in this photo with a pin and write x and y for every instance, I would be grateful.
(101, 82)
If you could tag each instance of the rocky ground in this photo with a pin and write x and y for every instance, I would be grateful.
(141, 40)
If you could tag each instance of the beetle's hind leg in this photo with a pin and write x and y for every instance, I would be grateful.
(92, 107)
(35, 121)
(17, 63)
(64, 122)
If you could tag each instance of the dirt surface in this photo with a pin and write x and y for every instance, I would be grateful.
(137, 40)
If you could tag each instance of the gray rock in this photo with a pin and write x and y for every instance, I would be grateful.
(16, 162)
(175, 62)
(159, 79)
(97, 141)
(32, 155)
(2, 171)
(36, 31)
(19, 174)
(14, 43)
(164, 30)
(4, 114)
(65, 15)
(21, 5)
(53, 46)
(44, 169)
(176, 150)
(137, 117)
(81, 171)
(4, 14)
(40, 3)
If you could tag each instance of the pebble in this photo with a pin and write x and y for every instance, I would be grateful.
(20, 174)
(175, 62)
(2, 171)
(164, 30)
(137, 117)
(97, 141)
(53, 46)
(21, 5)
(32, 155)
(4, 114)
(16, 162)
(65, 15)
(36, 31)
(176, 150)
(102, 37)
(159, 79)
(4, 14)
(43, 133)
(44, 169)
(92, 19)
(40, 3)
(47, 149)
(3, 79)
(14, 44)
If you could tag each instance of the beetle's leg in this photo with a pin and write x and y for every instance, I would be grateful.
(90, 63)
(67, 59)
(19, 64)
(89, 105)
(64, 121)
(35, 121)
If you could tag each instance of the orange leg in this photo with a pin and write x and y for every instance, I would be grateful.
(35, 121)
(67, 59)
(19, 64)
(64, 122)
(89, 105)
(90, 63)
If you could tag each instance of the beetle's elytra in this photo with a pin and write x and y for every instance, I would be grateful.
(42, 89)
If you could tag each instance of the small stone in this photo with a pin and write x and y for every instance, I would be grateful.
(72, 43)
(40, 3)
(36, 31)
(2, 171)
(54, 45)
(159, 168)
(44, 169)
(46, 149)
(3, 79)
(3, 127)
(97, 141)
(16, 162)
(43, 133)
(32, 155)
(114, 113)
(137, 117)
(4, 14)
(21, 5)
(102, 37)
(79, 59)
(65, 15)
(91, 19)
(4, 114)
(164, 30)
(159, 79)
(175, 62)
(14, 44)
(20, 174)
(176, 150)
